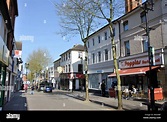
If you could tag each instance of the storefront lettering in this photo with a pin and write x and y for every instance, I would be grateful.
(138, 62)
(132, 63)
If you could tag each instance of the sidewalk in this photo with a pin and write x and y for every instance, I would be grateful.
(17, 101)
(132, 104)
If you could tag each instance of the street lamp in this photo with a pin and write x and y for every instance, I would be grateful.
(26, 66)
(148, 6)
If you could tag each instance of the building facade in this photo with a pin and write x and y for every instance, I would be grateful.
(8, 13)
(57, 71)
(72, 63)
(132, 49)
(134, 41)
(100, 57)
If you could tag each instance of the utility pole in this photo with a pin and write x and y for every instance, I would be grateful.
(148, 6)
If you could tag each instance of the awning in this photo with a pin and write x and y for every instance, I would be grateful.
(133, 71)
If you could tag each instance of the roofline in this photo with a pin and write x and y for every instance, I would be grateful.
(118, 19)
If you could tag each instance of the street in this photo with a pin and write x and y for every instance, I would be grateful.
(57, 100)
(23, 105)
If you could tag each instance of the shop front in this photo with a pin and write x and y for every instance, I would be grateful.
(72, 81)
(135, 71)
(4, 57)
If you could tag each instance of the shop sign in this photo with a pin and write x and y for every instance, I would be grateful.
(1, 48)
(139, 62)
(5, 56)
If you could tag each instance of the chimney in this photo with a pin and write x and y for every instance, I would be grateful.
(131, 4)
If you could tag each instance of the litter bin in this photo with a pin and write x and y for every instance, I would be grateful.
(111, 92)
(158, 94)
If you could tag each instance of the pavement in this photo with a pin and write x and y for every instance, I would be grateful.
(134, 104)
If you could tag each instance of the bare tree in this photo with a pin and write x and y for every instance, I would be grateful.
(107, 9)
(75, 21)
(38, 60)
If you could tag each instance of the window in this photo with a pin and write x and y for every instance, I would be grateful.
(93, 41)
(69, 55)
(125, 25)
(66, 68)
(106, 54)
(99, 56)
(105, 35)
(143, 17)
(99, 39)
(79, 54)
(69, 68)
(145, 45)
(93, 58)
(80, 68)
(127, 48)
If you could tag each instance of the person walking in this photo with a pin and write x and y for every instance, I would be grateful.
(103, 88)
(32, 89)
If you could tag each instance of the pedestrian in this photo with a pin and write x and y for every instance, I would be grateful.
(103, 88)
(32, 89)
(25, 87)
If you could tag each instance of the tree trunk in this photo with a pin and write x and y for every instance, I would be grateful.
(116, 68)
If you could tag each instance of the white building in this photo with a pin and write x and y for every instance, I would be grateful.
(100, 57)
(72, 63)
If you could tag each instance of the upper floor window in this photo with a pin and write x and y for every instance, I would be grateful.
(66, 56)
(69, 68)
(125, 25)
(80, 68)
(127, 48)
(105, 35)
(106, 54)
(69, 55)
(66, 68)
(143, 17)
(99, 56)
(145, 45)
(93, 58)
(93, 41)
(99, 39)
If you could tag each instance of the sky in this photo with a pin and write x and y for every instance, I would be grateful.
(36, 26)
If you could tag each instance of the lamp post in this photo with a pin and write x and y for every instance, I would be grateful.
(148, 6)
(25, 84)
(26, 67)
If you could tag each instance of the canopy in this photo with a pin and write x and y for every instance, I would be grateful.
(133, 71)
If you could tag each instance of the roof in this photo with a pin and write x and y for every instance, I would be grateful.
(77, 47)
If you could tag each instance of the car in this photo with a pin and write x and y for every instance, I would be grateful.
(47, 88)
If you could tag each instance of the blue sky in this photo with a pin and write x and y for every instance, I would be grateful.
(37, 25)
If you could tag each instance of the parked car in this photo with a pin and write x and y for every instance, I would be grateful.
(47, 88)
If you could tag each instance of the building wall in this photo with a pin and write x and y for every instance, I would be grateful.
(135, 29)
(75, 60)
(99, 71)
